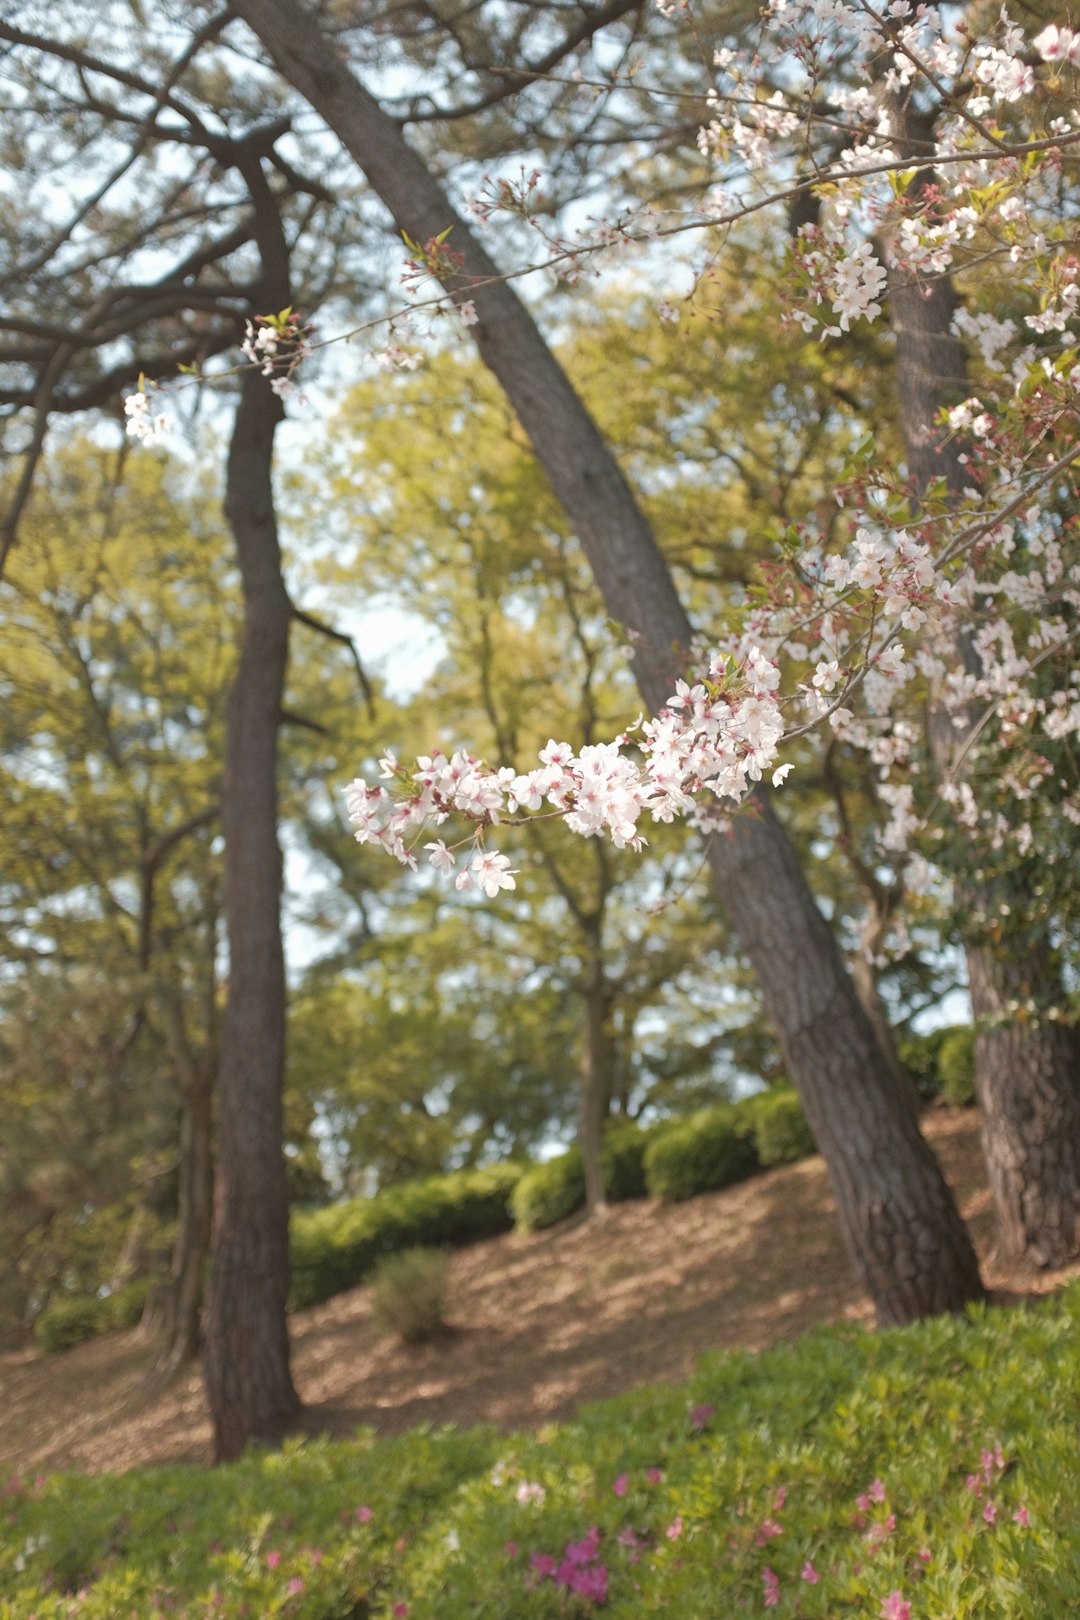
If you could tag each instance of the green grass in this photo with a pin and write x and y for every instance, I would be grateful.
(694, 1501)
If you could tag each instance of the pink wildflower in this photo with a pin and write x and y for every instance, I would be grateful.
(771, 1582)
(779, 1498)
(295, 1586)
(364, 1515)
(273, 1559)
(620, 1484)
(1020, 1517)
(989, 1513)
(674, 1529)
(544, 1564)
(766, 1531)
(400, 1610)
(699, 1416)
(895, 1608)
(583, 1551)
(511, 1549)
(810, 1574)
(654, 1475)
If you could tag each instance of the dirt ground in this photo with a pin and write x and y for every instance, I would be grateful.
(542, 1324)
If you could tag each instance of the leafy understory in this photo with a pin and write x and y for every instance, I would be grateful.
(929, 1473)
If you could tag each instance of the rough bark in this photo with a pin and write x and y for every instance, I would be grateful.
(246, 1343)
(897, 1215)
(1027, 1081)
(1027, 1073)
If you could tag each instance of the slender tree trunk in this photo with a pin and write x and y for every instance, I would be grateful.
(246, 1340)
(898, 1217)
(597, 1071)
(183, 1306)
(1027, 1068)
(896, 1212)
(246, 1348)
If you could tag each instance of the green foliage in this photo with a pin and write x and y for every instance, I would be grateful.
(780, 1129)
(74, 1318)
(549, 1192)
(942, 1062)
(409, 1294)
(711, 1149)
(938, 1462)
(707, 1151)
(956, 1065)
(335, 1248)
(622, 1160)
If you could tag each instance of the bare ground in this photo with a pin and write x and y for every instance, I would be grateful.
(541, 1324)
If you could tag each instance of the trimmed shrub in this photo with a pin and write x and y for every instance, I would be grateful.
(409, 1294)
(74, 1318)
(781, 1133)
(549, 1192)
(709, 1150)
(622, 1160)
(335, 1248)
(956, 1065)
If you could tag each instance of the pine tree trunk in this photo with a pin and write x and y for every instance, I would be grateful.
(1027, 1068)
(246, 1342)
(1031, 1129)
(246, 1350)
(899, 1220)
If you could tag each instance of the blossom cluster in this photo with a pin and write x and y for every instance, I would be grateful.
(278, 345)
(716, 737)
(143, 422)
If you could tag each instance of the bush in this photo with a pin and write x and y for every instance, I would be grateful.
(549, 1192)
(409, 1294)
(335, 1248)
(74, 1318)
(70, 1321)
(919, 1055)
(711, 1149)
(781, 1133)
(622, 1160)
(956, 1065)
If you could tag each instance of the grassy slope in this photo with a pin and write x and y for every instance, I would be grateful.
(546, 1322)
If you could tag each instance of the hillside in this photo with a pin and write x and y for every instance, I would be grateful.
(542, 1324)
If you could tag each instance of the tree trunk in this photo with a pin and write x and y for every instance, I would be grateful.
(246, 1349)
(182, 1309)
(1027, 1081)
(899, 1220)
(246, 1341)
(597, 1071)
(1027, 1068)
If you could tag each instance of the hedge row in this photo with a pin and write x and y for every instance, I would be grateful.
(76, 1317)
(673, 1160)
(335, 1248)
